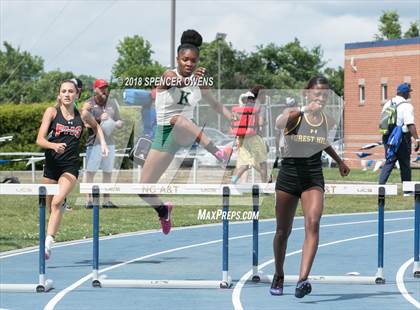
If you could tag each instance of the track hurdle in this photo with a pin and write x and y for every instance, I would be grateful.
(159, 189)
(42, 190)
(415, 188)
(338, 189)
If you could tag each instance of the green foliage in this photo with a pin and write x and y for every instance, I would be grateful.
(22, 121)
(46, 88)
(413, 30)
(135, 59)
(18, 70)
(389, 26)
(280, 67)
(336, 78)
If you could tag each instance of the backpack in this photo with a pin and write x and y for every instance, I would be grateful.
(388, 119)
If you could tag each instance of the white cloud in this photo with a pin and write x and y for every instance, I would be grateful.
(82, 37)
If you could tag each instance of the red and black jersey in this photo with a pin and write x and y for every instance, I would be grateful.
(68, 132)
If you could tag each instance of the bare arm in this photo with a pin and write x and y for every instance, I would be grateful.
(49, 115)
(85, 107)
(90, 120)
(217, 106)
(344, 169)
(288, 119)
(277, 141)
(413, 132)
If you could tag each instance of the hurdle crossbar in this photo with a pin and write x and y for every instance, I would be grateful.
(217, 189)
(414, 187)
(103, 281)
(42, 190)
(338, 189)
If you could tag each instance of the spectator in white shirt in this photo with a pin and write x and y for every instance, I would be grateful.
(405, 118)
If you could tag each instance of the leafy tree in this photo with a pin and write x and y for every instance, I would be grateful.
(46, 87)
(389, 26)
(287, 66)
(336, 78)
(413, 31)
(229, 64)
(18, 70)
(135, 60)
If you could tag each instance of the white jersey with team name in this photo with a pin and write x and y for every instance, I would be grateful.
(176, 101)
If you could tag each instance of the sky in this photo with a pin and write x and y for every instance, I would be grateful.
(82, 36)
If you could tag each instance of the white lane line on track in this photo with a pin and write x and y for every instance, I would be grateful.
(236, 294)
(139, 233)
(60, 295)
(401, 286)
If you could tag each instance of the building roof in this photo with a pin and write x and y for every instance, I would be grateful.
(371, 44)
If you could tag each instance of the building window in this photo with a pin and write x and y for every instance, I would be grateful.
(362, 93)
(384, 92)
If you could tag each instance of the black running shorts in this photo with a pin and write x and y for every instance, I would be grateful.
(295, 179)
(54, 172)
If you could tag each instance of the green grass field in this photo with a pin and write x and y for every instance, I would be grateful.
(19, 214)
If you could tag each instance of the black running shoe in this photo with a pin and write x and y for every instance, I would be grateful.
(276, 288)
(109, 205)
(303, 288)
(89, 205)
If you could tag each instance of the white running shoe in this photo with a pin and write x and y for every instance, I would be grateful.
(49, 242)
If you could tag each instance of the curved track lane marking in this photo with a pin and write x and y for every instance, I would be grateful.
(401, 286)
(236, 295)
(60, 295)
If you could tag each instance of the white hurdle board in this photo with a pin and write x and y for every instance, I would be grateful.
(217, 189)
(409, 186)
(27, 189)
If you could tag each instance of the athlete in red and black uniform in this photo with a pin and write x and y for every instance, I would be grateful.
(59, 135)
(67, 132)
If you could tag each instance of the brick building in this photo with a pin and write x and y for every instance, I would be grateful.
(372, 72)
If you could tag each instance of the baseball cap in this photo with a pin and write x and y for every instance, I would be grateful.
(100, 83)
(249, 94)
(404, 88)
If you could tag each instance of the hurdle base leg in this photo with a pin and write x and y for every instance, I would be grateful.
(380, 278)
(324, 279)
(95, 278)
(27, 288)
(416, 270)
(164, 284)
(256, 274)
(226, 283)
(42, 288)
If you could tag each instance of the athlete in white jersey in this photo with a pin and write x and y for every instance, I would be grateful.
(177, 95)
(176, 101)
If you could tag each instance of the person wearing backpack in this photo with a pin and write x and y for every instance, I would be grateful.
(398, 113)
